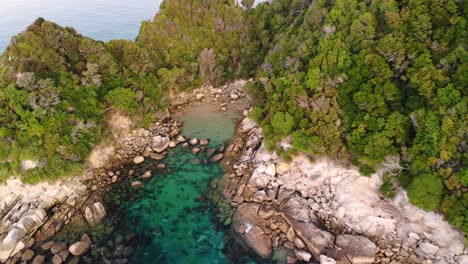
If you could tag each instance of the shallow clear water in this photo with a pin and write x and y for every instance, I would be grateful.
(171, 216)
(200, 122)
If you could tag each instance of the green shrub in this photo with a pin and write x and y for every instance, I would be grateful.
(123, 99)
(426, 192)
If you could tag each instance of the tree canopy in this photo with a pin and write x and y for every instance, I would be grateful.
(365, 81)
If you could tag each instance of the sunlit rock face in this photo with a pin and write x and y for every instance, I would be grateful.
(23, 208)
(322, 199)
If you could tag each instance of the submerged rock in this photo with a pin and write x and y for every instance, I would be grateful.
(157, 156)
(203, 142)
(57, 247)
(217, 157)
(210, 152)
(147, 175)
(195, 161)
(195, 150)
(193, 141)
(27, 255)
(39, 259)
(137, 184)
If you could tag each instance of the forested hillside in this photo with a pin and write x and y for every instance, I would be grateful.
(381, 83)
(56, 88)
(195, 42)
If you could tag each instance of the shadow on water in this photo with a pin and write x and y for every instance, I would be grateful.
(171, 216)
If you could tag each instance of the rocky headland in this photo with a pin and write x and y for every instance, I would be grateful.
(324, 211)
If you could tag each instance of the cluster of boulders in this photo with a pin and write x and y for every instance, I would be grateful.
(24, 208)
(197, 147)
(324, 212)
(229, 96)
(81, 251)
(143, 143)
(213, 154)
(60, 252)
(33, 214)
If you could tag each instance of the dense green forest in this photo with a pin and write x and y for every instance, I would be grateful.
(380, 83)
(56, 86)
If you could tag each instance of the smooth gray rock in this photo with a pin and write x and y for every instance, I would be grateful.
(428, 248)
(358, 249)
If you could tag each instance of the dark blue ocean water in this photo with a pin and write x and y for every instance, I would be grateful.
(98, 19)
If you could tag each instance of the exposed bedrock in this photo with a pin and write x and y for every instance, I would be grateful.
(327, 211)
(31, 215)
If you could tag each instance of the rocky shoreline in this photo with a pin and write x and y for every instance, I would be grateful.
(323, 212)
(289, 212)
(31, 221)
(31, 215)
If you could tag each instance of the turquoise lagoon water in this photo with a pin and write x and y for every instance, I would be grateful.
(171, 216)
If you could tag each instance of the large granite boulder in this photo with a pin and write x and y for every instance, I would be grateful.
(246, 125)
(160, 144)
(258, 241)
(252, 226)
(217, 157)
(95, 213)
(78, 248)
(81, 247)
(297, 208)
(358, 249)
(11, 243)
(316, 239)
(138, 159)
